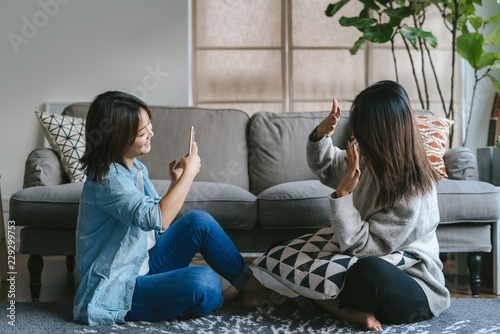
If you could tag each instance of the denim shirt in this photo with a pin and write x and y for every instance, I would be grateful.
(111, 243)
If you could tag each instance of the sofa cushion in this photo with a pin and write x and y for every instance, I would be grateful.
(233, 207)
(220, 135)
(57, 206)
(277, 144)
(47, 206)
(66, 136)
(221, 139)
(461, 164)
(467, 202)
(300, 204)
(43, 168)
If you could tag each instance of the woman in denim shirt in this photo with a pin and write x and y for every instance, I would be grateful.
(133, 263)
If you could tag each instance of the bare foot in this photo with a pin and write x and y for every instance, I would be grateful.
(372, 323)
(254, 293)
(230, 294)
(306, 305)
(350, 314)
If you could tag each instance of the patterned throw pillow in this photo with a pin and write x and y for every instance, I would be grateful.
(313, 266)
(66, 136)
(435, 131)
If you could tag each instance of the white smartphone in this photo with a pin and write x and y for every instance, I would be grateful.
(191, 139)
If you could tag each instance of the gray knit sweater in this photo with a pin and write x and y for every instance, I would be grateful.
(364, 228)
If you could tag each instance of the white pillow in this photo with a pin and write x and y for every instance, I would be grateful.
(313, 266)
(66, 136)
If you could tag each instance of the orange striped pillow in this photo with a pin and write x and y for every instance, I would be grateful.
(435, 131)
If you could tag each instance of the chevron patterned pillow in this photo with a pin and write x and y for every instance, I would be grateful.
(313, 266)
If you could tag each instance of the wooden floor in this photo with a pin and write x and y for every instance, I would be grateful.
(59, 285)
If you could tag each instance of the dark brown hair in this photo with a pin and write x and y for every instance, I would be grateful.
(110, 129)
(385, 127)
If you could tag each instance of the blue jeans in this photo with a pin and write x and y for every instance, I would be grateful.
(171, 286)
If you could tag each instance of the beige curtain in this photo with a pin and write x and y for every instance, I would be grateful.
(288, 56)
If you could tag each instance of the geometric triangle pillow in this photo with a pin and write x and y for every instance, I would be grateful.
(313, 266)
(66, 136)
(435, 131)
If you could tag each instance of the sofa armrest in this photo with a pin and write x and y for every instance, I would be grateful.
(461, 164)
(43, 168)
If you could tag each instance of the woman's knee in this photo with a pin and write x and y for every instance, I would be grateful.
(369, 269)
(200, 219)
(207, 294)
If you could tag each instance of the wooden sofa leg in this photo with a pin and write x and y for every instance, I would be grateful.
(35, 266)
(70, 263)
(474, 261)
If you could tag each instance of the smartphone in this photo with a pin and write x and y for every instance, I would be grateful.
(191, 139)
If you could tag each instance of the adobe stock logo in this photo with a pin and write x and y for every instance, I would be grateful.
(30, 28)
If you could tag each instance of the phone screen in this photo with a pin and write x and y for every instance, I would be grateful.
(191, 139)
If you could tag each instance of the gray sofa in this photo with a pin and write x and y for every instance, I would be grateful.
(254, 180)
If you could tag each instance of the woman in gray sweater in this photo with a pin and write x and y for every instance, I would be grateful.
(385, 201)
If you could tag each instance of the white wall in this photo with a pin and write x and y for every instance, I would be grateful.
(485, 92)
(72, 50)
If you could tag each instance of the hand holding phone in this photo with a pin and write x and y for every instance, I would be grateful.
(191, 139)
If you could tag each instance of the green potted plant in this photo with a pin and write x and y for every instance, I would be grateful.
(381, 21)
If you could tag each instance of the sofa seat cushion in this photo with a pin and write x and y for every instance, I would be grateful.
(299, 204)
(233, 207)
(47, 206)
(468, 202)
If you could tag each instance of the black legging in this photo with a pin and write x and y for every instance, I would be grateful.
(374, 285)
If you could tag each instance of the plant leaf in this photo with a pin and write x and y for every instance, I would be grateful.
(398, 13)
(493, 38)
(365, 12)
(410, 37)
(359, 22)
(470, 47)
(357, 45)
(371, 4)
(467, 8)
(476, 22)
(379, 33)
(401, 2)
(487, 59)
(425, 35)
(495, 66)
(334, 7)
(494, 19)
(462, 22)
(495, 83)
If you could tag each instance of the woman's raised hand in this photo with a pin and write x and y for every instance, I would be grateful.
(350, 180)
(327, 126)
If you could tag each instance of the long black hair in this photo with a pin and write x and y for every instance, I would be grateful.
(110, 129)
(385, 127)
